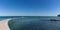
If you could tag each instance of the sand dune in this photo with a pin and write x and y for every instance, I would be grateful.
(4, 24)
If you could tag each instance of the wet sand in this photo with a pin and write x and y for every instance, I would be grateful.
(4, 24)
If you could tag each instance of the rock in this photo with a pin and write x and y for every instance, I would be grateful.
(59, 15)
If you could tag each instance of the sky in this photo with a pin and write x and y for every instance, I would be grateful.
(29, 7)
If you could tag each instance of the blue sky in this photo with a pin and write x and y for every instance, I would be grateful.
(29, 7)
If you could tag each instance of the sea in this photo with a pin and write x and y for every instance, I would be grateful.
(31, 17)
(43, 22)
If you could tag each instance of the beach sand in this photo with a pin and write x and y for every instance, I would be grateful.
(4, 24)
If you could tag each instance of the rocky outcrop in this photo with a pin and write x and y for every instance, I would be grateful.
(59, 15)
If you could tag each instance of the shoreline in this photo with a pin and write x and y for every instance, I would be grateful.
(4, 24)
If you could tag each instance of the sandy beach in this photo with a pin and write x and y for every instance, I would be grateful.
(4, 24)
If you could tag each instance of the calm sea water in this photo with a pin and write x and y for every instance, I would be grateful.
(33, 21)
(31, 17)
(28, 22)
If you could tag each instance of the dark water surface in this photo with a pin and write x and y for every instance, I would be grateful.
(33, 23)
